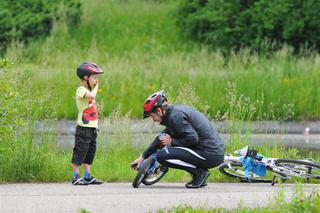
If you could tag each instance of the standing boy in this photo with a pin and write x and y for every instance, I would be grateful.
(86, 130)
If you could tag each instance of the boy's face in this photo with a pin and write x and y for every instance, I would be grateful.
(93, 79)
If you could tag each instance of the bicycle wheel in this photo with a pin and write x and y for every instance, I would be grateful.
(142, 172)
(236, 171)
(155, 176)
(301, 168)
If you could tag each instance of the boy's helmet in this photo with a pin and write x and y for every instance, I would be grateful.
(87, 69)
(153, 101)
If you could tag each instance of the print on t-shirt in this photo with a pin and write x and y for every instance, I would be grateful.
(90, 113)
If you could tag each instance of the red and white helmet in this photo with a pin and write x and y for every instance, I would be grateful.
(153, 101)
(87, 69)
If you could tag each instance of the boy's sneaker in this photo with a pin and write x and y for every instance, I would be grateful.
(92, 180)
(79, 181)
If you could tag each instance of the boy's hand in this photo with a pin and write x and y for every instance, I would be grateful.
(96, 84)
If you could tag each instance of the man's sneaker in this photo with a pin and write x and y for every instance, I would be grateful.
(92, 180)
(79, 181)
(199, 179)
(190, 183)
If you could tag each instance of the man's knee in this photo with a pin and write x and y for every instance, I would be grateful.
(161, 156)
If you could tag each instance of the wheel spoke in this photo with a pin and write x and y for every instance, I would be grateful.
(300, 168)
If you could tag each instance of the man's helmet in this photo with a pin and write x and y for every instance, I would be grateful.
(153, 101)
(87, 69)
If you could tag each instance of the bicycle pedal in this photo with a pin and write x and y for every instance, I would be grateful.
(164, 169)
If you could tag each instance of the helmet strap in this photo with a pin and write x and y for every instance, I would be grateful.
(88, 84)
(162, 113)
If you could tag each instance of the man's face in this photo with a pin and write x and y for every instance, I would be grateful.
(157, 115)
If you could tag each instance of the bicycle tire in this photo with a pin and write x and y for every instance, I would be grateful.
(150, 180)
(296, 165)
(142, 172)
(238, 173)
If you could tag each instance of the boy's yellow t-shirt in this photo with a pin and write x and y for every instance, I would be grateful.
(88, 113)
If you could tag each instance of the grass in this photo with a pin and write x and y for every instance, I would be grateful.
(137, 44)
(30, 157)
(45, 163)
(299, 202)
(36, 158)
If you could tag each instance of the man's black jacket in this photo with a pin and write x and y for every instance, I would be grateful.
(188, 128)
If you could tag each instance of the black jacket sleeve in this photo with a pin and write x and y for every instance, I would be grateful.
(152, 148)
(188, 137)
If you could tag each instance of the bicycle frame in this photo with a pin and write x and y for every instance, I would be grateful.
(155, 162)
(270, 165)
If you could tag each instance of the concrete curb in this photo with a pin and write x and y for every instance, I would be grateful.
(67, 127)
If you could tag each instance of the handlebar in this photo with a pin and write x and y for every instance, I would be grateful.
(231, 158)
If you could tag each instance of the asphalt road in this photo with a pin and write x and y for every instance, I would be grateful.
(301, 135)
(121, 197)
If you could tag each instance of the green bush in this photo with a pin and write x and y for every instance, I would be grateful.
(24, 20)
(258, 24)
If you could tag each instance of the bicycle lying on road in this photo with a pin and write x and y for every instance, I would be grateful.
(248, 166)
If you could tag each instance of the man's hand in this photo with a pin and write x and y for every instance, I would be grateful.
(135, 163)
(165, 140)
